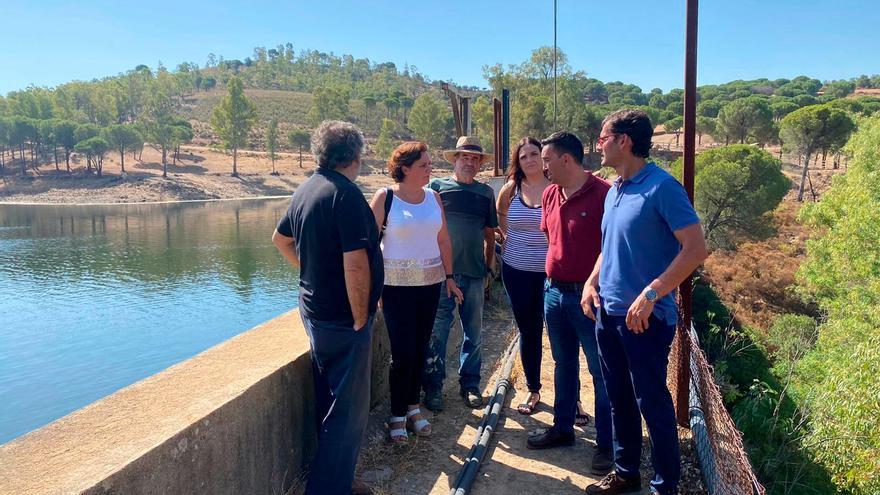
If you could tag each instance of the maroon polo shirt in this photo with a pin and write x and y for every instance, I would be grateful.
(574, 229)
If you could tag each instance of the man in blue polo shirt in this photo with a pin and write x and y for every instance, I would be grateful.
(651, 241)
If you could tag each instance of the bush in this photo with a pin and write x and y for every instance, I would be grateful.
(840, 378)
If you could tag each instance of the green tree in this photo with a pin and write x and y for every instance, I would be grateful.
(705, 125)
(674, 126)
(745, 118)
(47, 133)
(159, 124)
(4, 142)
(839, 378)
(811, 129)
(181, 132)
(233, 118)
(65, 136)
(369, 106)
(428, 120)
(709, 108)
(122, 138)
(384, 145)
(272, 141)
(734, 187)
(588, 123)
(406, 103)
(20, 132)
(95, 148)
(483, 119)
(299, 138)
(328, 103)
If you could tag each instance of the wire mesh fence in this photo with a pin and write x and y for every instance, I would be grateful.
(723, 461)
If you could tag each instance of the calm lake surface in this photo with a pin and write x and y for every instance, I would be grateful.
(95, 298)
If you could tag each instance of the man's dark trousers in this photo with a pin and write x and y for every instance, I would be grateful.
(634, 366)
(568, 329)
(341, 360)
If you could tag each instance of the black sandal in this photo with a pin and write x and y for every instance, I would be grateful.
(527, 408)
(581, 418)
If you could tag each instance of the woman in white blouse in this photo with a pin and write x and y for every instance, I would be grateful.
(418, 258)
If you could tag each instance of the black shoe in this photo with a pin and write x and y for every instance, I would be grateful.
(434, 400)
(612, 484)
(603, 461)
(549, 439)
(472, 397)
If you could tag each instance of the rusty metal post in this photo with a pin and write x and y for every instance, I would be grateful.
(686, 288)
(505, 129)
(496, 114)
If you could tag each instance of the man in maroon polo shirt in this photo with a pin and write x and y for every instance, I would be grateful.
(572, 220)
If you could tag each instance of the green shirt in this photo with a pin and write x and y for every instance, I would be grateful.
(470, 209)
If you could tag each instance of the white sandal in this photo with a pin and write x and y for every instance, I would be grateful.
(421, 427)
(398, 436)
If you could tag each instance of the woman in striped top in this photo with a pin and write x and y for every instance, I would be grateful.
(523, 256)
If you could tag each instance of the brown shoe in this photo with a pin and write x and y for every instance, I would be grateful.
(358, 487)
(612, 484)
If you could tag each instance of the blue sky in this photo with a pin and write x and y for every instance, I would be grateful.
(637, 41)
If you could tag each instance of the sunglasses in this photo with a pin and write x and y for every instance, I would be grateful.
(601, 140)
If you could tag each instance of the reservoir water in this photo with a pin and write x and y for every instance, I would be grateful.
(95, 298)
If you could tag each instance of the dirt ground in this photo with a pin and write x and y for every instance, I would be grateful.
(200, 173)
(430, 465)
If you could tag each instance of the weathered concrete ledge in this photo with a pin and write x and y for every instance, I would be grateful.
(237, 418)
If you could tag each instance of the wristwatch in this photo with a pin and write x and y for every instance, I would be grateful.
(650, 294)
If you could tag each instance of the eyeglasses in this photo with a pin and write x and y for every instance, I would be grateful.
(601, 140)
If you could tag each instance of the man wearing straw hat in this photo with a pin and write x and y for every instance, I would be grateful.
(470, 216)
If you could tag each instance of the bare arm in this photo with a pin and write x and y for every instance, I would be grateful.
(287, 247)
(693, 252)
(377, 204)
(489, 247)
(356, 267)
(590, 296)
(502, 206)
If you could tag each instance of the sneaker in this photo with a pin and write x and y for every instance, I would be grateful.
(603, 461)
(612, 484)
(550, 439)
(472, 397)
(434, 400)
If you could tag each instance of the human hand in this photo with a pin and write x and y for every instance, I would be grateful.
(590, 300)
(638, 314)
(452, 290)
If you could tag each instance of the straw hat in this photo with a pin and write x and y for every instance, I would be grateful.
(467, 144)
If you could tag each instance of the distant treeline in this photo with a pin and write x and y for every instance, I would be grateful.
(390, 102)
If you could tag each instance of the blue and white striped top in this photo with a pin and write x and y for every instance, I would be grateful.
(525, 247)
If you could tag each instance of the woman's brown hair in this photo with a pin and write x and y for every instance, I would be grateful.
(515, 172)
(404, 156)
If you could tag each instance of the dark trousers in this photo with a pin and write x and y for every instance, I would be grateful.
(635, 373)
(409, 315)
(341, 365)
(526, 293)
(568, 329)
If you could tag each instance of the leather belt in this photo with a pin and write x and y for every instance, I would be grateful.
(567, 286)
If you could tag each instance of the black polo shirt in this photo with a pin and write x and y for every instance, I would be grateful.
(328, 216)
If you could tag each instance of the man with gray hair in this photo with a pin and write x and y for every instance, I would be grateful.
(329, 233)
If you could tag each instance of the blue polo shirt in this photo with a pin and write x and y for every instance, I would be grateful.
(638, 243)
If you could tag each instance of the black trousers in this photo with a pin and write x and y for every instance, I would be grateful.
(409, 315)
(526, 293)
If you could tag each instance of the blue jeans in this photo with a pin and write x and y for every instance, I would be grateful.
(341, 368)
(471, 314)
(567, 326)
(526, 293)
(635, 371)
